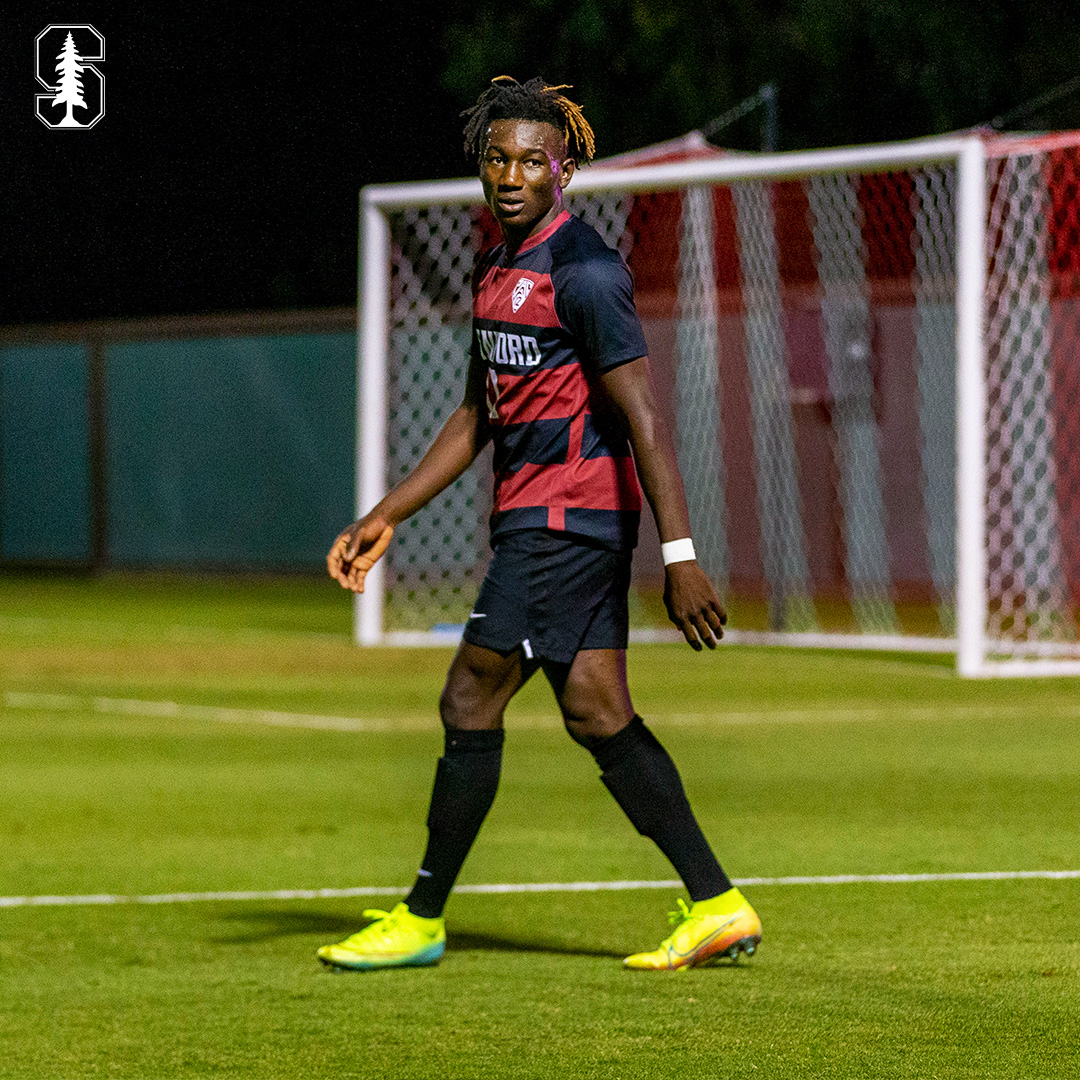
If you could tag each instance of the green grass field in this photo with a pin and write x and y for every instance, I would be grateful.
(798, 763)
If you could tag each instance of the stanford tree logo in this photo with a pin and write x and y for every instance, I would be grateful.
(76, 97)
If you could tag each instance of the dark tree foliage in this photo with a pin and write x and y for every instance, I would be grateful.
(847, 70)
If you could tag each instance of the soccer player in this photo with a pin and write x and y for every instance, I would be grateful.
(559, 383)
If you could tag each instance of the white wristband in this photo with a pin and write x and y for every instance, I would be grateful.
(678, 551)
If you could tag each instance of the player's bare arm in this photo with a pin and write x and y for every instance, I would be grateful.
(690, 599)
(455, 448)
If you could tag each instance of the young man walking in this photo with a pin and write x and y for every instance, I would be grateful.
(559, 383)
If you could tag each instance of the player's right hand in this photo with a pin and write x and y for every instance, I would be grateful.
(357, 550)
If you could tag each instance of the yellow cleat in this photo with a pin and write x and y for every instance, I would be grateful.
(397, 938)
(704, 933)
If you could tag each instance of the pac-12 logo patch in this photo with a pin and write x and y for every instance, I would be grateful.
(76, 97)
(521, 292)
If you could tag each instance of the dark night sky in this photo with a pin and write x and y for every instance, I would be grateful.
(224, 174)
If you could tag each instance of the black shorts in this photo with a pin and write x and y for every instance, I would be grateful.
(553, 596)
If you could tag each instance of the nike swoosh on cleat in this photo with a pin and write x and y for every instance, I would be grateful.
(705, 941)
(477, 615)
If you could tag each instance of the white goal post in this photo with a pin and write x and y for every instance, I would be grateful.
(869, 356)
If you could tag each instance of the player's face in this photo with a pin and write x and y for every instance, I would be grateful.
(524, 170)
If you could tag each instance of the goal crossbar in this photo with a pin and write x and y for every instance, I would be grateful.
(641, 179)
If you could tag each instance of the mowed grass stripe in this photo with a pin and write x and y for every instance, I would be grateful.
(33, 626)
(214, 713)
(508, 888)
(38, 702)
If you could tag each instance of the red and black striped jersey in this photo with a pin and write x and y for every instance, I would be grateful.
(546, 324)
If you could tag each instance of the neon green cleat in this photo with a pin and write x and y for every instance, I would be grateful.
(704, 933)
(397, 938)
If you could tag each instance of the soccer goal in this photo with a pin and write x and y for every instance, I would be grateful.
(870, 358)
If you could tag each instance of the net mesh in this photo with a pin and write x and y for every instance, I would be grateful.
(1028, 594)
(437, 558)
(802, 336)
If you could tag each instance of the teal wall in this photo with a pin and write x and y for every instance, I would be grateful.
(45, 509)
(230, 451)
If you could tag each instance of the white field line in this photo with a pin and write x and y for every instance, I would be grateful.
(173, 709)
(218, 714)
(527, 887)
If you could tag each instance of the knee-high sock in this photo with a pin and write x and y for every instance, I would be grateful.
(639, 772)
(466, 780)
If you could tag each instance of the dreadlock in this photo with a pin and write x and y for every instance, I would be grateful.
(507, 99)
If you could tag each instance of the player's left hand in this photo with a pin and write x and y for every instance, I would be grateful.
(692, 604)
(357, 550)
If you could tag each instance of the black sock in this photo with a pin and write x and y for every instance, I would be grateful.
(639, 772)
(466, 780)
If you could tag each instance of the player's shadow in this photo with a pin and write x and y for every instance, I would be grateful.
(463, 941)
(270, 924)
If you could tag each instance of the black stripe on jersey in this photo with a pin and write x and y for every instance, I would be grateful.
(521, 517)
(601, 437)
(614, 529)
(537, 442)
(518, 347)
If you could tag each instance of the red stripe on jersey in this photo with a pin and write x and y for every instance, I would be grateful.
(500, 289)
(616, 473)
(557, 513)
(548, 394)
(529, 486)
(603, 483)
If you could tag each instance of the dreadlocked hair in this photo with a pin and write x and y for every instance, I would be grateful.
(507, 99)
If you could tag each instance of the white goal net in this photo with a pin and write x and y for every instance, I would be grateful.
(869, 358)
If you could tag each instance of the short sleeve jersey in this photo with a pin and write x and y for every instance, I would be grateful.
(546, 325)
